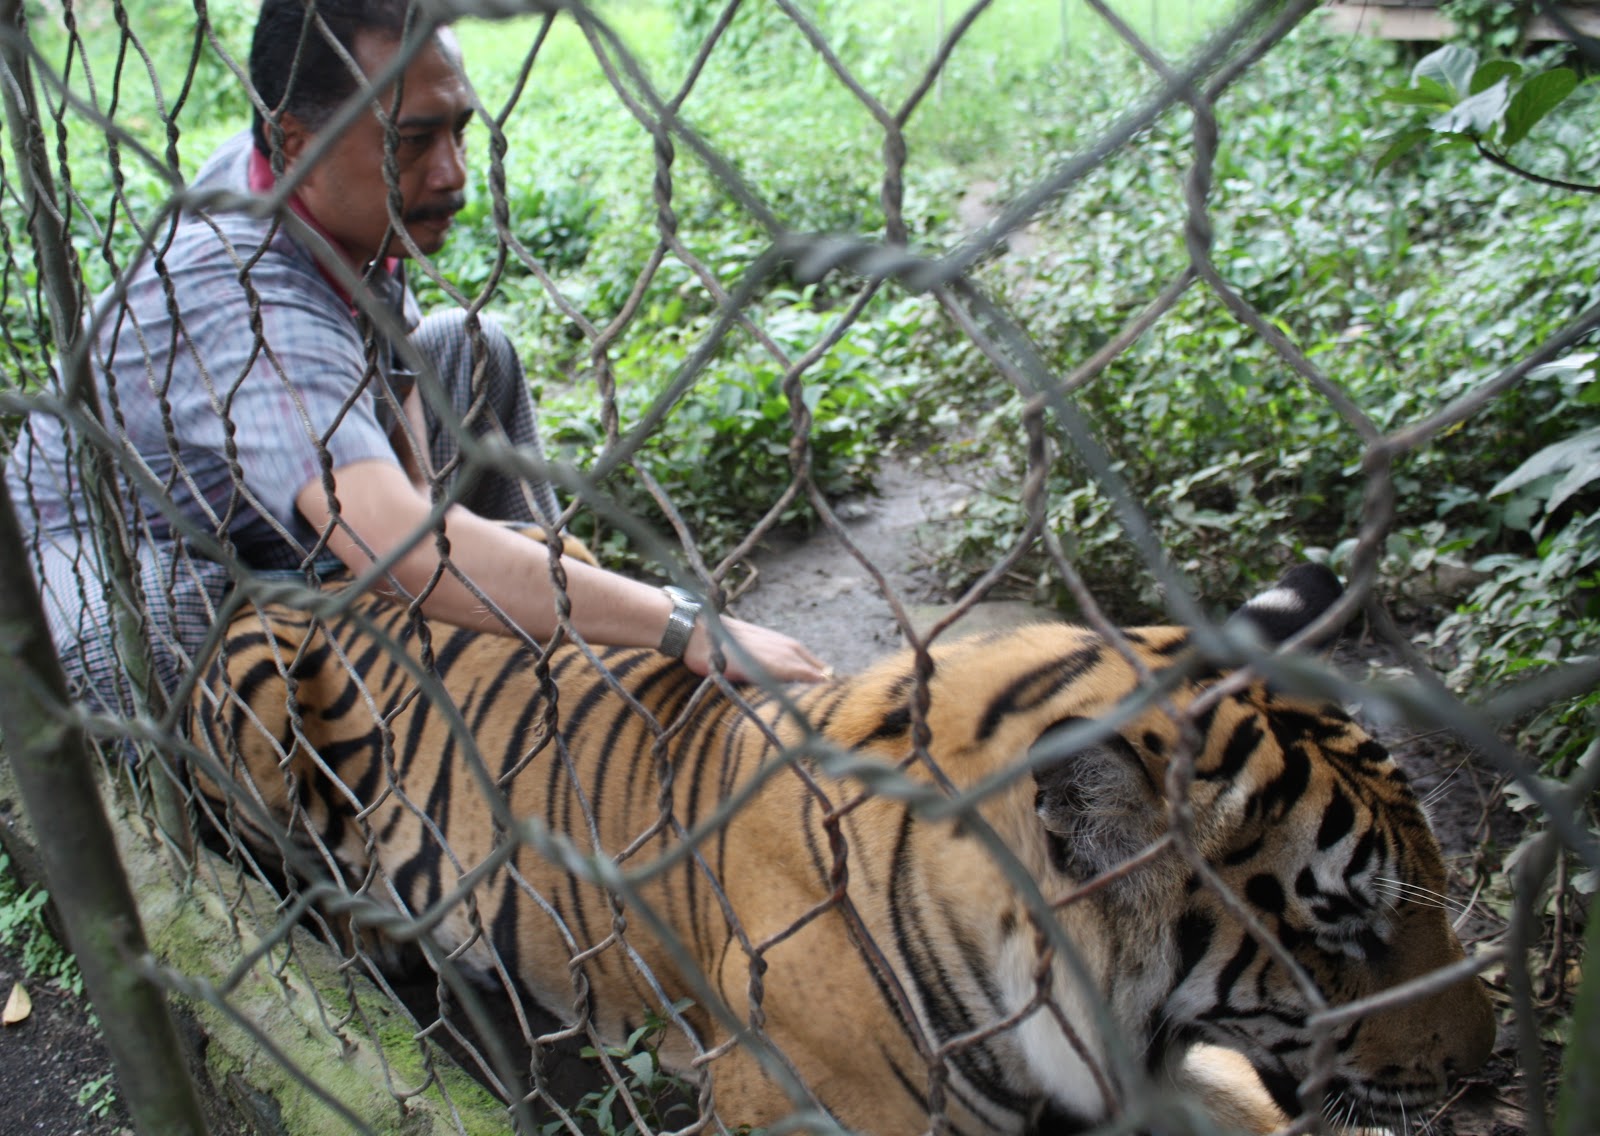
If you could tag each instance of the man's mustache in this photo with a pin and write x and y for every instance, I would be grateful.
(438, 210)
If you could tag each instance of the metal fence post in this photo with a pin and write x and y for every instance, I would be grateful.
(55, 777)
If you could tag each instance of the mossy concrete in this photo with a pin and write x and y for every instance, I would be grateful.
(276, 1016)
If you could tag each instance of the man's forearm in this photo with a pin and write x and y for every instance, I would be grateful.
(380, 510)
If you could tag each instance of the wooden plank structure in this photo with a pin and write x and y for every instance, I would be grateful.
(1421, 20)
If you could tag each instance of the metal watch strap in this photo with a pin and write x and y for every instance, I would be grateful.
(680, 624)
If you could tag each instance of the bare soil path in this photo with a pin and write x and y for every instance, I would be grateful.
(814, 588)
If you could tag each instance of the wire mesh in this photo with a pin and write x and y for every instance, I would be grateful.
(303, 839)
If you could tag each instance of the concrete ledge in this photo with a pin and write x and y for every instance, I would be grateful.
(192, 931)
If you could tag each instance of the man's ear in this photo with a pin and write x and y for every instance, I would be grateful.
(296, 137)
(1098, 803)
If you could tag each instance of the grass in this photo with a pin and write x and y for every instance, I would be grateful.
(809, 122)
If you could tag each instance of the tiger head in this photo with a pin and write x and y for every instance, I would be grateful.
(1292, 818)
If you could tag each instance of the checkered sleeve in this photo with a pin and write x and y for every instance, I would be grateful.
(283, 394)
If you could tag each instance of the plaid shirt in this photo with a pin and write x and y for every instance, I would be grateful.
(232, 420)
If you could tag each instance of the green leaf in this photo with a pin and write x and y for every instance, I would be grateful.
(1432, 95)
(1536, 98)
(1492, 72)
(1520, 801)
(1400, 145)
(1567, 367)
(1578, 457)
(1436, 93)
(1476, 114)
(642, 1066)
(1451, 66)
(1578, 477)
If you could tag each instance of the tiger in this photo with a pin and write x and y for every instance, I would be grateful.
(948, 890)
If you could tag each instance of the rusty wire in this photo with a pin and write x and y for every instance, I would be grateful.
(874, 264)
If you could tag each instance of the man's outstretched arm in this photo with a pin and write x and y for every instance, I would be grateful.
(381, 508)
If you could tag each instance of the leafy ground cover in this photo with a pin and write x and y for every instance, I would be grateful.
(1410, 287)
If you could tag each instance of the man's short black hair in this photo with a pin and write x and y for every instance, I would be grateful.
(322, 80)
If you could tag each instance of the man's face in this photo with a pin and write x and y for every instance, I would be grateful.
(346, 190)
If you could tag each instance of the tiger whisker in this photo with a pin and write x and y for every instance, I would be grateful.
(1450, 906)
(1443, 786)
(1394, 882)
(1396, 900)
(1342, 1112)
(1468, 908)
(1417, 894)
(1420, 899)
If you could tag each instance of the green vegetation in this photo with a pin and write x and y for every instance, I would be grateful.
(813, 155)
(1409, 288)
(1408, 277)
(24, 933)
(1488, 109)
(653, 1095)
(27, 938)
(97, 1095)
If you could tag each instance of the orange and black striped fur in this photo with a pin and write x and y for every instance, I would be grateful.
(895, 958)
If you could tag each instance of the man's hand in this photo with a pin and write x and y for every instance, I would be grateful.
(772, 652)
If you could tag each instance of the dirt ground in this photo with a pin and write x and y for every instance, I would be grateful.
(816, 589)
(50, 1065)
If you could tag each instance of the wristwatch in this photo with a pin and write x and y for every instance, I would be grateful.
(680, 624)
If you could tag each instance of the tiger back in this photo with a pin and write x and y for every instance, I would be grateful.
(792, 866)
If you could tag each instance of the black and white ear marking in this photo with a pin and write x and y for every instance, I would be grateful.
(1289, 606)
(1098, 805)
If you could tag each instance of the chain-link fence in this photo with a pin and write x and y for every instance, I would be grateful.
(610, 890)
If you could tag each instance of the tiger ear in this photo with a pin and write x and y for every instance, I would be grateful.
(1292, 604)
(1098, 802)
